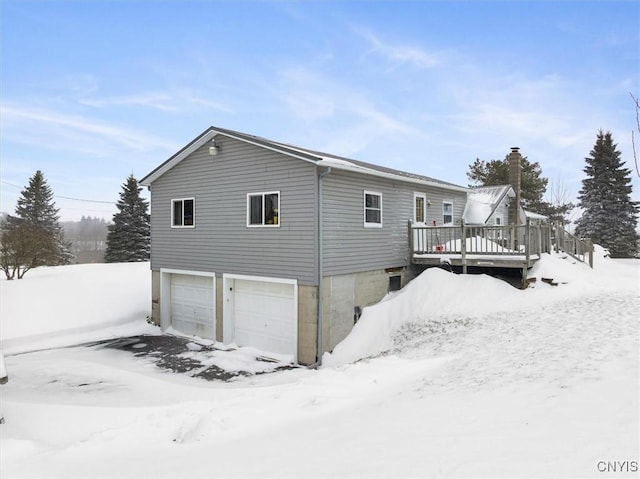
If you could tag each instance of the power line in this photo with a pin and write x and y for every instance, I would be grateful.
(66, 197)
(86, 201)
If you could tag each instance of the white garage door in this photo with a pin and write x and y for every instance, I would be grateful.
(265, 315)
(193, 305)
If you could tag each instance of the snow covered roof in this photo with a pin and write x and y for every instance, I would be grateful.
(534, 216)
(482, 201)
(316, 157)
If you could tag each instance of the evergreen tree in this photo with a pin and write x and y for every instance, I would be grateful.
(609, 217)
(33, 237)
(129, 237)
(533, 185)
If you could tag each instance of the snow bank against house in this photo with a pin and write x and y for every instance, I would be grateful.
(63, 305)
(435, 293)
(440, 296)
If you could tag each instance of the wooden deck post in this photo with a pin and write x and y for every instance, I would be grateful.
(463, 248)
(527, 252)
(411, 246)
(539, 231)
(591, 253)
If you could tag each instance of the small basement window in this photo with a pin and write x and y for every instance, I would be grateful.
(263, 209)
(183, 213)
(395, 283)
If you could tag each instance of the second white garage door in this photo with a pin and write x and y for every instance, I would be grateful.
(263, 314)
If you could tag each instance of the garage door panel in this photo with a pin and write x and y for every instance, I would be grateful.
(264, 315)
(192, 305)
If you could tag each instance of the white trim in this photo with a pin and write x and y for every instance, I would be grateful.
(173, 200)
(263, 194)
(228, 324)
(165, 294)
(417, 195)
(364, 209)
(447, 202)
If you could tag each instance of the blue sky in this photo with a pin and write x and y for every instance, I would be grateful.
(93, 91)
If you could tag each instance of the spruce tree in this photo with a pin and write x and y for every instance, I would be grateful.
(34, 236)
(129, 237)
(609, 217)
(533, 185)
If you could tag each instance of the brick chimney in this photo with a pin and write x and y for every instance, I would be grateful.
(514, 159)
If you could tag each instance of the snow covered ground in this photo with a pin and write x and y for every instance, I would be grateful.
(454, 376)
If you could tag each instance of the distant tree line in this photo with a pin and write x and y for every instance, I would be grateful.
(88, 238)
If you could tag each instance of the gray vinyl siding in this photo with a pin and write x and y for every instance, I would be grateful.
(502, 210)
(350, 247)
(221, 241)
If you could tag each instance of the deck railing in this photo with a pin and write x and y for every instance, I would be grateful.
(582, 250)
(527, 241)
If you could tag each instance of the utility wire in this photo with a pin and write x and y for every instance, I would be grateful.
(66, 197)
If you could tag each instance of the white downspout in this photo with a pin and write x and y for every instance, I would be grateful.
(320, 266)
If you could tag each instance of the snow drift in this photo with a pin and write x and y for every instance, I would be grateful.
(437, 294)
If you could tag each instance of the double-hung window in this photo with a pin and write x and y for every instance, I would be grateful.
(447, 212)
(263, 209)
(183, 213)
(372, 209)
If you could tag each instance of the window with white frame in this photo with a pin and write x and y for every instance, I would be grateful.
(419, 207)
(372, 209)
(263, 209)
(447, 212)
(183, 213)
(497, 234)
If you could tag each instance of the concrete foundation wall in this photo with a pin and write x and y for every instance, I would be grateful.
(339, 301)
(155, 297)
(307, 324)
(343, 293)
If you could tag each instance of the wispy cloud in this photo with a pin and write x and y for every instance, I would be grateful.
(158, 101)
(166, 101)
(308, 96)
(398, 54)
(355, 119)
(26, 124)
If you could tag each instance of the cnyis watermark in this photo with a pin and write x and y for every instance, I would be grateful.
(617, 466)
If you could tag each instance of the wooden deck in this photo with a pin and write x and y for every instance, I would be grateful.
(492, 246)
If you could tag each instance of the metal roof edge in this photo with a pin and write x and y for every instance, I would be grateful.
(346, 166)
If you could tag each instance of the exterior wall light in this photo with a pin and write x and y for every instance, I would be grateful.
(213, 147)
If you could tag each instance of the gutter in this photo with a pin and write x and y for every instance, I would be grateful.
(320, 269)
